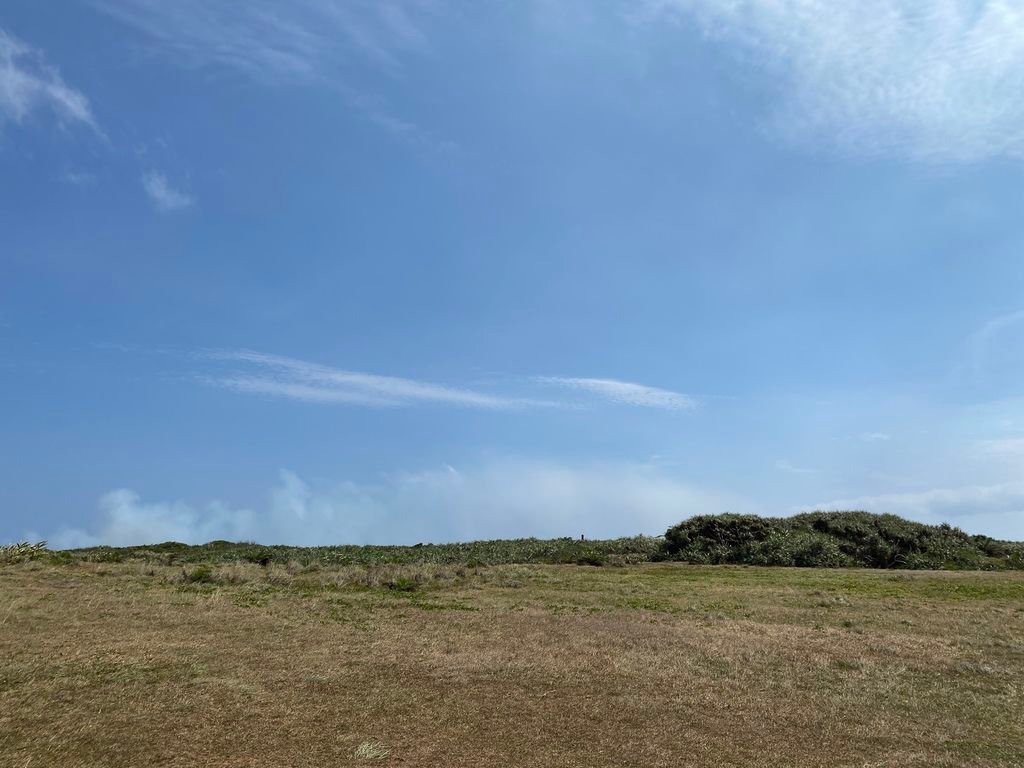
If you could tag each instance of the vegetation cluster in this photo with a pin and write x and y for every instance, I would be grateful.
(624, 551)
(811, 540)
(835, 540)
(22, 550)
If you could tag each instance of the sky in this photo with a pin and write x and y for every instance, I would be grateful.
(399, 271)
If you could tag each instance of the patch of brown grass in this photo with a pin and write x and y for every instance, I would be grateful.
(671, 665)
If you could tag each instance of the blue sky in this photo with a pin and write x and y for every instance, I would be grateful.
(396, 271)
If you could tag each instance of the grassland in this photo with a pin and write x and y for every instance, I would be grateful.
(165, 658)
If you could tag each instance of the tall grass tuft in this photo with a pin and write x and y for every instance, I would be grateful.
(371, 750)
(22, 550)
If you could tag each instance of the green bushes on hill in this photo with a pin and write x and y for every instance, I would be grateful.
(834, 539)
(810, 540)
(624, 551)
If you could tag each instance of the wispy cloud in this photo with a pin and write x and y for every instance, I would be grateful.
(785, 466)
(300, 380)
(260, 373)
(997, 325)
(28, 83)
(997, 510)
(1012, 447)
(304, 42)
(505, 498)
(79, 178)
(624, 392)
(998, 339)
(933, 81)
(275, 42)
(253, 39)
(165, 197)
(875, 437)
(1003, 453)
(293, 390)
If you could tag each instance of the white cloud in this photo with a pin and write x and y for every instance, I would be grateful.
(79, 178)
(995, 510)
(936, 81)
(625, 392)
(784, 466)
(255, 385)
(287, 377)
(165, 197)
(28, 83)
(875, 437)
(995, 347)
(996, 325)
(1004, 456)
(125, 519)
(300, 380)
(505, 499)
(1007, 447)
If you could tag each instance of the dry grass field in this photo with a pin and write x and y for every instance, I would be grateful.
(133, 664)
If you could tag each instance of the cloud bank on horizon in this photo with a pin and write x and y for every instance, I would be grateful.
(501, 499)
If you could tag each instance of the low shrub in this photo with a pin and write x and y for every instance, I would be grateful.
(403, 584)
(201, 574)
(108, 555)
(259, 555)
(591, 557)
(802, 549)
